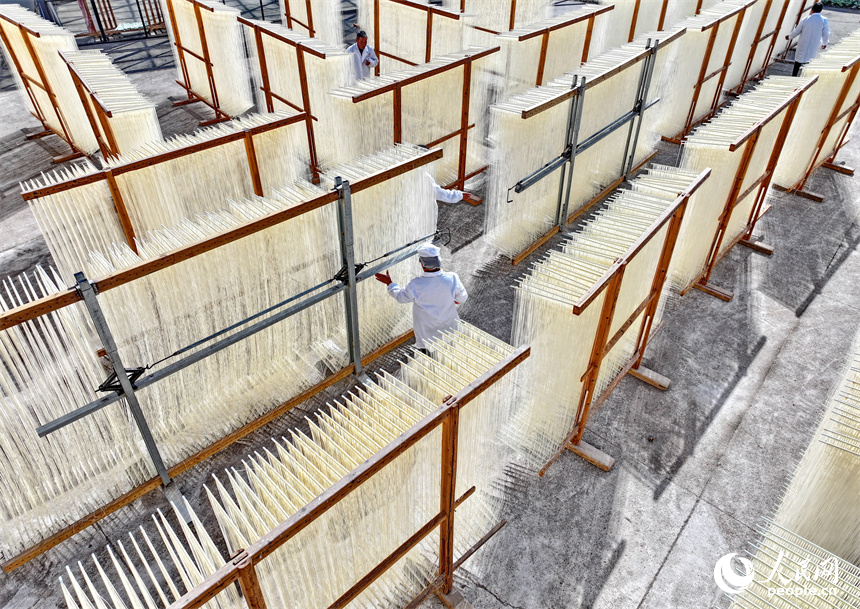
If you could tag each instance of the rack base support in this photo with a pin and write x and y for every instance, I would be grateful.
(758, 246)
(655, 379)
(849, 171)
(595, 456)
(454, 599)
(710, 288)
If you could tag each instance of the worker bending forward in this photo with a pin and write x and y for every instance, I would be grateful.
(434, 297)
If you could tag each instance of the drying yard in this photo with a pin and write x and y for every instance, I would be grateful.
(304, 460)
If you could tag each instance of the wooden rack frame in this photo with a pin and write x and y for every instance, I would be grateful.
(719, 73)
(827, 158)
(546, 32)
(770, 38)
(576, 96)
(611, 283)
(748, 143)
(263, 29)
(291, 21)
(429, 10)
(462, 133)
(109, 175)
(183, 52)
(48, 304)
(97, 112)
(241, 567)
(39, 81)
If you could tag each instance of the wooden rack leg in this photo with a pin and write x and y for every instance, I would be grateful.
(709, 288)
(454, 599)
(840, 168)
(758, 246)
(655, 379)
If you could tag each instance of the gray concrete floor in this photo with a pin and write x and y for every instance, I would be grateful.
(697, 466)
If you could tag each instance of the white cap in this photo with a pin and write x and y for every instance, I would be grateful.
(428, 250)
(429, 256)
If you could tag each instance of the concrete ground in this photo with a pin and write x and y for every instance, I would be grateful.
(697, 466)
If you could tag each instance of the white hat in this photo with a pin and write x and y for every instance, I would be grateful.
(429, 256)
(428, 250)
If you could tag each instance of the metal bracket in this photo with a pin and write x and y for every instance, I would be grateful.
(112, 382)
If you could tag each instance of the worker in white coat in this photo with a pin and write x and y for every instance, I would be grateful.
(364, 58)
(434, 296)
(812, 33)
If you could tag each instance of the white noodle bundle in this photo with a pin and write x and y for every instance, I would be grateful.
(181, 566)
(72, 121)
(519, 59)
(368, 125)
(561, 342)
(615, 30)
(133, 121)
(323, 15)
(322, 74)
(327, 557)
(786, 563)
(709, 146)
(155, 316)
(225, 48)
(521, 146)
(83, 219)
(816, 109)
(752, 19)
(48, 367)
(403, 32)
(821, 501)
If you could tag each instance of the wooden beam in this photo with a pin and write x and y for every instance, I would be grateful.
(542, 60)
(709, 288)
(450, 442)
(654, 379)
(465, 101)
(632, 34)
(251, 154)
(121, 211)
(593, 455)
(250, 584)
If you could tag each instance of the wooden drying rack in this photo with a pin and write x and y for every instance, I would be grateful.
(748, 142)
(396, 89)
(761, 37)
(820, 157)
(109, 175)
(611, 283)
(719, 73)
(289, 20)
(628, 168)
(545, 33)
(241, 567)
(183, 51)
(40, 81)
(54, 302)
(97, 112)
(262, 28)
(429, 10)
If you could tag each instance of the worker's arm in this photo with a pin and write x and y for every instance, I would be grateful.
(460, 294)
(825, 34)
(796, 31)
(399, 294)
(372, 60)
(448, 195)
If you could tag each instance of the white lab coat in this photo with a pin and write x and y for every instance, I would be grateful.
(432, 296)
(359, 69)
(447, 195)
(814, 31)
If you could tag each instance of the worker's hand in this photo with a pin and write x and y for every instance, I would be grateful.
(469, 198)
(384, 278)
(455, 302)
(823, 46)
(367, 62)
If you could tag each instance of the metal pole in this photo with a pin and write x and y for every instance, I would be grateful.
(99, 21)
(575, 119)
(647, 71)
(344, 218)
(87, 292)
(573, 101)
